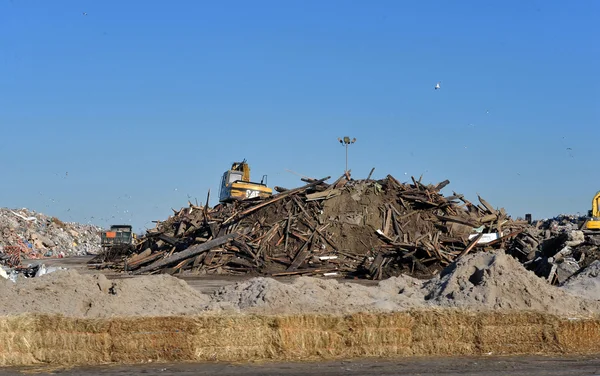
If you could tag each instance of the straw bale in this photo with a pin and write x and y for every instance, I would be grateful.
(380, 335)
(152, 338)
(230, 338)
(513, 332)
(447, 332)
(579, 336)
(31, 339)
(310, 336)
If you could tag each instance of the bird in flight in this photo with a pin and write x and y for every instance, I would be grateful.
(438, 85)
(85, 13)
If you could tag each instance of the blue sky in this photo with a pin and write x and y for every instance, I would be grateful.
(125, 112)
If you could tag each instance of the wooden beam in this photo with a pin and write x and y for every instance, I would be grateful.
(191, 251)
(470, 246)
(301, 255)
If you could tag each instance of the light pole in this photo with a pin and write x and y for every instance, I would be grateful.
(346, 141)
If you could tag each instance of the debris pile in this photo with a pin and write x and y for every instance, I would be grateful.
(25, 234)
(363, 228)
(556, 249)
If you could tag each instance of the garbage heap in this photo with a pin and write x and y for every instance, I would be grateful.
(25, 234)
(363, 228)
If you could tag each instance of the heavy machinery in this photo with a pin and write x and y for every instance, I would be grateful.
(118, 235)
(120, 240)
(236, 184)
(592, 224)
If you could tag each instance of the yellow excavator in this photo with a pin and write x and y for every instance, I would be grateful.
(592, 224)
(236, 184)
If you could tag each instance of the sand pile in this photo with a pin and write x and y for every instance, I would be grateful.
(482, 281)
(495, 280)
(585, 284)
(307, 294)
(82, 295)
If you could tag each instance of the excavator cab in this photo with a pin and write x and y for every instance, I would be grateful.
(236, 184)
(592, 225)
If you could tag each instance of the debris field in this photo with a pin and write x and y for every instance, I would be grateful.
(354, 228)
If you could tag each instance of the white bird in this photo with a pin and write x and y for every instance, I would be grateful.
(438, 85)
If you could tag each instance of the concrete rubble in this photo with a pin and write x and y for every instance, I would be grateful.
(556, 248)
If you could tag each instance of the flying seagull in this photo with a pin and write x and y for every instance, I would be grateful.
(437, 86)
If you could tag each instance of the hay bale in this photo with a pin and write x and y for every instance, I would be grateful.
(232, 338)
(517, 333)
(152, 338)
(579, 336)
(59, 340)
(31, 339)
(310, 336)
(444, 332)
(377, 335)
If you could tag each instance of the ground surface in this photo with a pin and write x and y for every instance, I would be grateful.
(459, 366)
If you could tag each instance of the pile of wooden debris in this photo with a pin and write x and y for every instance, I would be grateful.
(363, 228)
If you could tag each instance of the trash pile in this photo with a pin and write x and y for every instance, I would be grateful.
(25, 234)
(362, 228)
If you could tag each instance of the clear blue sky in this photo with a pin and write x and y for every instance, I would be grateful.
(143, 103)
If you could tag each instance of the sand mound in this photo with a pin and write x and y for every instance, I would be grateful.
(480, 282)
(495, 280)
(306, 294)
(73, 294)
(585, 284)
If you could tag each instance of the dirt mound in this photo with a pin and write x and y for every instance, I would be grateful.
(81, 295)
(494, 280)
(307, 294)
(585, 284)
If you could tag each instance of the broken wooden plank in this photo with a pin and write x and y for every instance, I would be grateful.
(324, 195)
(470, 246)
(487, 205)
(301, 255)
(189, 252)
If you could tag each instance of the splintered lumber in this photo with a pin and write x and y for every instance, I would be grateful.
(275, 199)
(324, 195)
(301, 255)
(302, 230)
(441, 185)
(487, 205)
(470, 246)
(190, 252)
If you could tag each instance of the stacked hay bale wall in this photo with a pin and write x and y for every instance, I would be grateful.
(31, 339)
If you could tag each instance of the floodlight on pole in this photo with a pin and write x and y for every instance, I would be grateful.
(346, 141)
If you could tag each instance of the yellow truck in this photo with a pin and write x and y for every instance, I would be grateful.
(236, 184)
